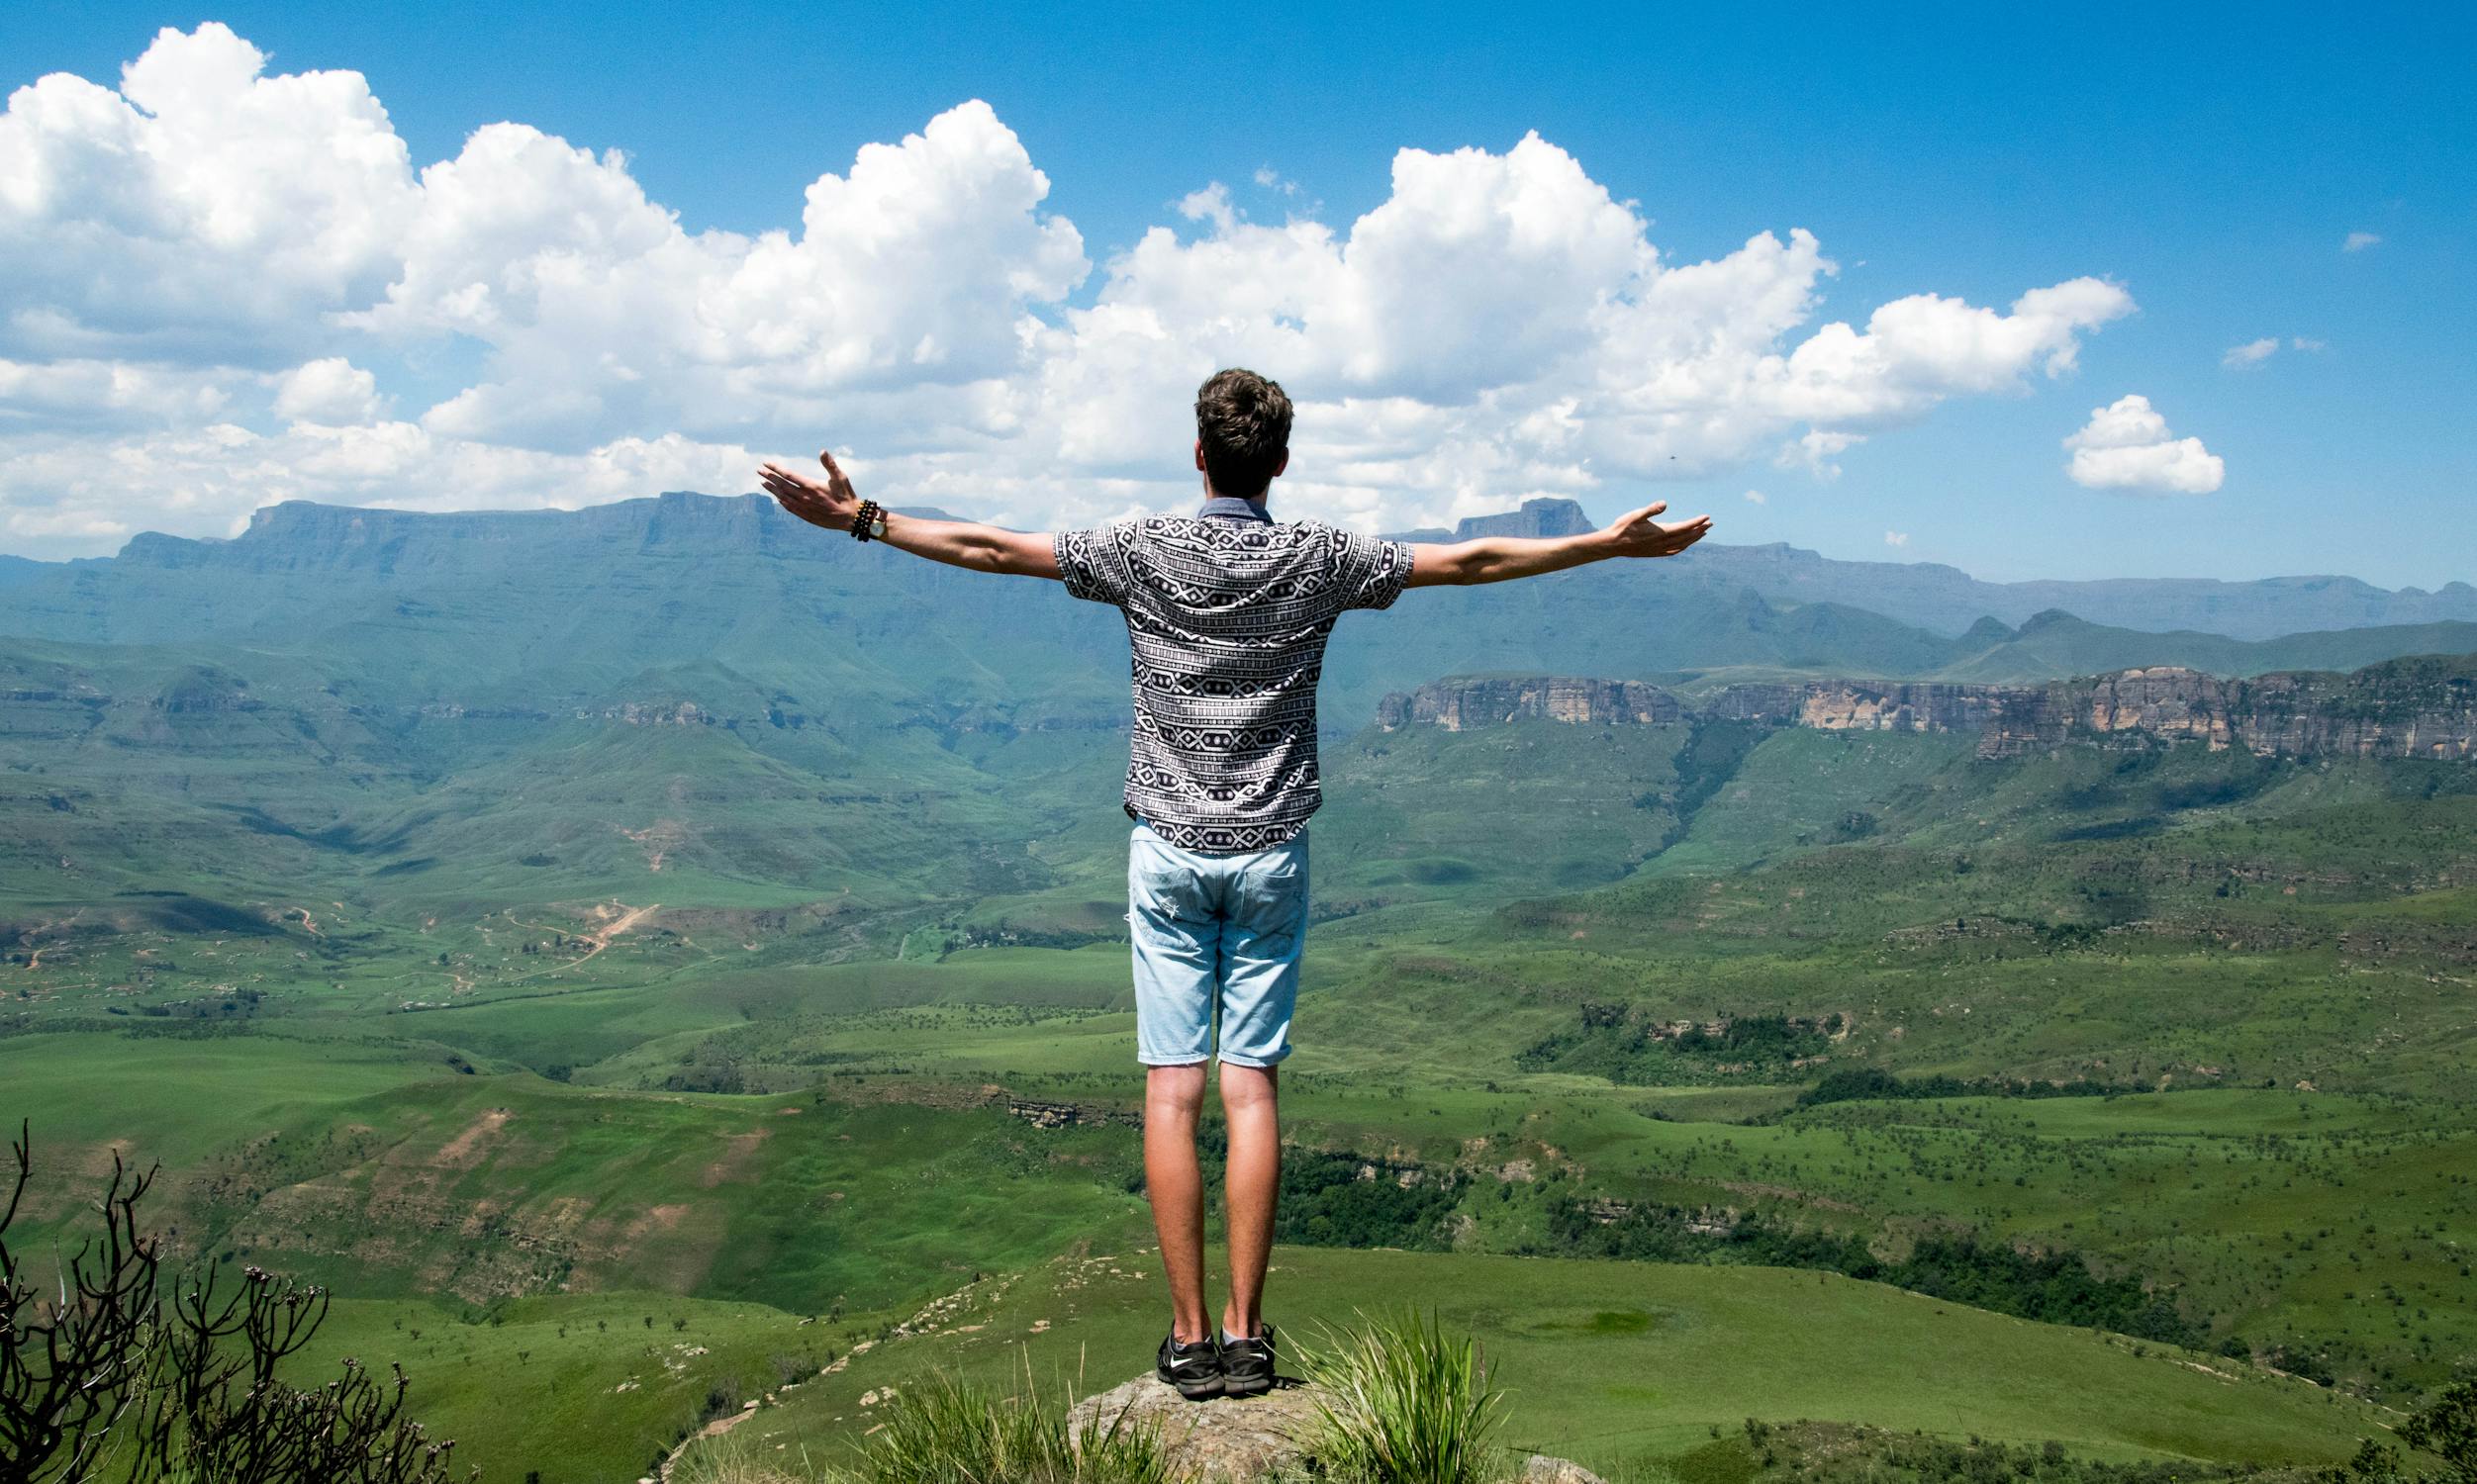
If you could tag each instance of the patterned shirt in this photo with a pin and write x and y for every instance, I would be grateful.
(1227, 613)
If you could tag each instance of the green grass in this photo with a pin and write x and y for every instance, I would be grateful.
(342, 964)
(1606, 1363)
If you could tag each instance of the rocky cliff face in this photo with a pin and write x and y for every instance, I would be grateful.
(2422, 706)
(1863, 705)
(1832, 705)
(1460, 705)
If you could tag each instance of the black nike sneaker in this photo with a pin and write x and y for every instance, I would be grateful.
(1195, 1370)
(1247, 1364)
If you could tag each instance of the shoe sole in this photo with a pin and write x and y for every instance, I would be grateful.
(1194, 1391)
(1246, 1385)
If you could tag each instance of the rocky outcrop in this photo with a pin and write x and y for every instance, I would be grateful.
(1235, 1439)
(1833, 705)
(1460, 705)
(1863, 705)
(1043, 1115)
(2421, 706)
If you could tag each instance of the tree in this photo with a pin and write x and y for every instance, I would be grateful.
(2448, 1428)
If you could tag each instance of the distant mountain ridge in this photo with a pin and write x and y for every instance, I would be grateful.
(1946, 600)
(730, 605)
(1925, 594)
(2423, 707)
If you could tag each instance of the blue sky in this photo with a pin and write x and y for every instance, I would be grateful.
(2212, 166)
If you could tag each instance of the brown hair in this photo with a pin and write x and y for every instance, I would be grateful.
(1244, 423)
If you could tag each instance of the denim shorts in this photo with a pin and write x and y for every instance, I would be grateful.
(1217, 938)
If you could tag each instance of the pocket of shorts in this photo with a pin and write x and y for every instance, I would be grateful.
(1273, 899)
(1163, 888)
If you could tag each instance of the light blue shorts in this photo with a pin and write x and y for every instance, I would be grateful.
(1217, 937)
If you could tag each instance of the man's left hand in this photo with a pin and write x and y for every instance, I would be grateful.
(830, 503)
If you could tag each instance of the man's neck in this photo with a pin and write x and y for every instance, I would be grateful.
(1231, 508)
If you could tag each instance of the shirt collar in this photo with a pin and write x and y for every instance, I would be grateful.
(1231, 508)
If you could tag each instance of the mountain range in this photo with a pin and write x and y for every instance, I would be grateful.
(1946, 600)
(728, 605)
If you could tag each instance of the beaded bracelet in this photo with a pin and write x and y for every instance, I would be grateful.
(867, 516)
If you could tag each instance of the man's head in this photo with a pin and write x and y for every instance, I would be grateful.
(1242, 433)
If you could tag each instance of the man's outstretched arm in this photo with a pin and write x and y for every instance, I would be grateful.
(832, 503)
(1496, 559)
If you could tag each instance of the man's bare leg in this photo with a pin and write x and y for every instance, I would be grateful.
(1254, 1179)
(1173, 1096)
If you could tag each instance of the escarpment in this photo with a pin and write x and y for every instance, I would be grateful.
(2420, 706)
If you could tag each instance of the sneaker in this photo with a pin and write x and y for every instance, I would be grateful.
(1247, 1364)
(1196, 1369)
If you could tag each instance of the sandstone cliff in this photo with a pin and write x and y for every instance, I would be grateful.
(1460, 705)
(2421, 706)
(1864, 705)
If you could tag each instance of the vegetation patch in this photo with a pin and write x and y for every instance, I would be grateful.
(1622, 1043)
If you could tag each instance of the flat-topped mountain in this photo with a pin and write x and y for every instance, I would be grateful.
(1545, 517)
(2421, 706)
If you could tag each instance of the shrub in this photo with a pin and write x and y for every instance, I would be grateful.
(119, 1380)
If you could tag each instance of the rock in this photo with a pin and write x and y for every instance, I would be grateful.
(1239, 1439)
(1540, 1468)
(1224, 1441)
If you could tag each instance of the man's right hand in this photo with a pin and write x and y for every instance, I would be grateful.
(1639, 535)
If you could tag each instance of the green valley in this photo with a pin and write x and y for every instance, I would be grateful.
(544, 931)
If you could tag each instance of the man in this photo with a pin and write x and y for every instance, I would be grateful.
(1227, 611)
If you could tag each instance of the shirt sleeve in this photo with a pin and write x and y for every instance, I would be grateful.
(1369, 571)
(1093, 562)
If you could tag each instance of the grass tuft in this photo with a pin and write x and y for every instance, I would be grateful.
(1403, 1403)
(731, 1461)
(950, 1432)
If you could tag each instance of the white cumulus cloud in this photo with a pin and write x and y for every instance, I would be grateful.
(200, 212)
(330, 390)
(2125, 445)
(233, 281)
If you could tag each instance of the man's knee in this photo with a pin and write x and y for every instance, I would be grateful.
(1249, 1089)
(1175, 1093)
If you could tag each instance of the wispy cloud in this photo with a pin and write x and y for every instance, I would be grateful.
(1817, 453)
(1896, 538)
(2359, 241)
(2250, 355)
(1756, 496)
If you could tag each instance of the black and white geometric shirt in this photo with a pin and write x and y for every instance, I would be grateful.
(1227, 612)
